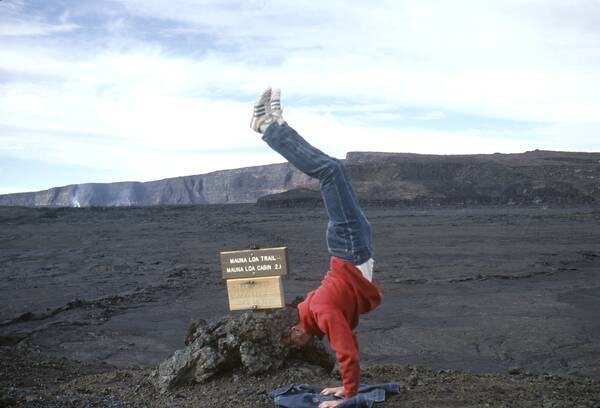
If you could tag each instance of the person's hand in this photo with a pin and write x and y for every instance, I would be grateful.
(330, 404)
(337, 391)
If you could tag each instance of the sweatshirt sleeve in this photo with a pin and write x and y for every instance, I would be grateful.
(343, 341)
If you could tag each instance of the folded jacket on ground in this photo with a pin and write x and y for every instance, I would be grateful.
(308, 396)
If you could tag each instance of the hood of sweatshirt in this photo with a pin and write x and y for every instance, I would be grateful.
(345, 288)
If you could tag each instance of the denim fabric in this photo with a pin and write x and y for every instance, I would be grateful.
(348, 231)
(307, 396)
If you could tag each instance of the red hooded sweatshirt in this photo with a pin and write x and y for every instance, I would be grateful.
(333, 310)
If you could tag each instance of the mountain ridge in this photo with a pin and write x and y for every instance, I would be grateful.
(533, 177)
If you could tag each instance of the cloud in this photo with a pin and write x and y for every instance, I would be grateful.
(20, 28)
(475, 57)
(465, 56)
(16, 21)
(151, 89)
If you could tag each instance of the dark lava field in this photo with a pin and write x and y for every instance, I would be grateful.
(488, 306)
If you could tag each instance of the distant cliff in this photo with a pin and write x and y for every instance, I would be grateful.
(538, 177)
(243, 185)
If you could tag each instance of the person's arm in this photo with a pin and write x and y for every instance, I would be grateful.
(343, 341)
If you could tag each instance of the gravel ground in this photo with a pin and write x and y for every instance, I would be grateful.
(28, 379)
(91, 300)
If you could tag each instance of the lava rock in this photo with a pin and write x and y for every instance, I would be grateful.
(252, 342)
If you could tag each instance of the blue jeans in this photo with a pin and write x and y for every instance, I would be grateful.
(348, 231)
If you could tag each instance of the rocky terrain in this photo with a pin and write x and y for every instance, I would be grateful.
(37, 381)
(537, 177)
(483, 306)
(252, 344)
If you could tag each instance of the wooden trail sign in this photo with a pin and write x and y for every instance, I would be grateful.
(255, 293)
(254, 262)
(254, 277)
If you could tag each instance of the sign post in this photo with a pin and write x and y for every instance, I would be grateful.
(254, 277)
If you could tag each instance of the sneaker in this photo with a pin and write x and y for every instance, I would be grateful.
(276, 103)
(267, 110)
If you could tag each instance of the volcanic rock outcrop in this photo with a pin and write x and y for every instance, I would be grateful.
(251, 344)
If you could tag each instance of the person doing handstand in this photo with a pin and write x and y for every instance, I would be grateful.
(348, 290)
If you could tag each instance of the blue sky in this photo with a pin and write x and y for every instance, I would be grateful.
(115, 90)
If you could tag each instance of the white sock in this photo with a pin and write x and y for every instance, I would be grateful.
(367, 269)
